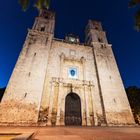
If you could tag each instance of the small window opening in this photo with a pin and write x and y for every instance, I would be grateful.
(46, 17)
(96, 28)
(100, 40)
(29, 74)
(42, 29)
(102, 46)
(114, 101)
(25, 95)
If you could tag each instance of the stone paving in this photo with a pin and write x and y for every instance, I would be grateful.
(77, 133)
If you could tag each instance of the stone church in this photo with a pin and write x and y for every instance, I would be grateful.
(65, 82)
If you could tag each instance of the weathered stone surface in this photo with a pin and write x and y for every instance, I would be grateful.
(15, 112)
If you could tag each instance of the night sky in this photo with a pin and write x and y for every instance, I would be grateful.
(72, 17)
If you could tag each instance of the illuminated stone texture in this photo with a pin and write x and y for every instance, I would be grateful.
(49, 70)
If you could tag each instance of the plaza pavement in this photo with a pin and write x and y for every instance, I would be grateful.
(76, 133)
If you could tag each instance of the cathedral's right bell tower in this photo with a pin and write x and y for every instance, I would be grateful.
(115, 105)
(95, 33)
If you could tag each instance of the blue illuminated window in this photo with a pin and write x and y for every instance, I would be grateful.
(72, 73)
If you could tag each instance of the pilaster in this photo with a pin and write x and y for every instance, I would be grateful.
(93, 104)
(51, 103)
(83, 60)
(58, 120)
(86, 104)
(61, 65)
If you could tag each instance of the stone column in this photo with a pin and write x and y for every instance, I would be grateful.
(51, 103)
(86, 104)
(62, 109)
(55, 103)
(58, 120)
(93, 104)
(83, 106)
(83, 60)
(61, 65)
(48, 95)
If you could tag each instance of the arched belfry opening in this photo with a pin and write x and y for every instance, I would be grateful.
(73, 110)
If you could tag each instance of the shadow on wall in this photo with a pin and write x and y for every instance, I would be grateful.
(2, 93)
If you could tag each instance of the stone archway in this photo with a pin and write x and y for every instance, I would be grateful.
(73, 109)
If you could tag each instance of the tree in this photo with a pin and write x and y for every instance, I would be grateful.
(136, 3)
(1, 92)
(133, 94)
(37, 4)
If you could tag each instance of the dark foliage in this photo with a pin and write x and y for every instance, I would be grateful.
(137, 20)
(134, 3)
(2, 92)
(133, 94)
(39, 4)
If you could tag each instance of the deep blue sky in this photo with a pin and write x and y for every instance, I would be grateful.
(72, 17)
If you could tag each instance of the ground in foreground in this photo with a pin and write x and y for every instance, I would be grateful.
(76, 133)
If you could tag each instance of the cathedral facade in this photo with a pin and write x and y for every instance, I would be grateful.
(64, 82)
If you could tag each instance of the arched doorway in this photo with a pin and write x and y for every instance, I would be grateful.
(73, 109)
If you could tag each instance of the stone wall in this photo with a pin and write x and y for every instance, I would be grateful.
(62, 56)
(27, 80)
(42, 70)
(14, 112)
(98, 85)
(116, 105)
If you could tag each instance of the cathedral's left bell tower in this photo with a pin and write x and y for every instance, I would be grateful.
(45, 22)
(21, 101)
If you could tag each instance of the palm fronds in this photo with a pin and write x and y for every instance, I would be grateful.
(39, 4)
(24, 4)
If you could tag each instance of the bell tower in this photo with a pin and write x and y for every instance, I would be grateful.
(110, 84)
(95, 33)
(24, 90)
(45, 22)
